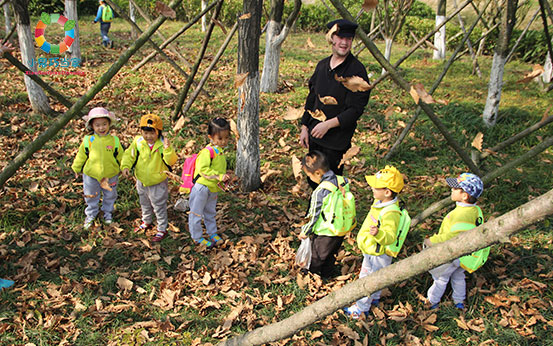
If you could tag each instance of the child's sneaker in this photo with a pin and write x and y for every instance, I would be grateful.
(160, 235)
(434, 306)
(108, 221)
(88, 223)
(375, 302)
(460, 306)
(205, 242)
(215, 240)
(143, 227)
(354, 312)
(4, 283)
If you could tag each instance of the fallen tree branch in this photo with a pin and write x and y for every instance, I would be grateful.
(491, 232)
(61, 121)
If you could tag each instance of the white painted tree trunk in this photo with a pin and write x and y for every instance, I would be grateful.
(37, 97)
(7, 22)
(132, 16)
(491, 109)
(439, 40)
(548, 70)
(204, 18)
(387, 50)
(271, 62)
(71, 13)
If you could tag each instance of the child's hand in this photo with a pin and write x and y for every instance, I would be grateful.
(226, 177)
(373, 230)
(427, 242)
(302, 236)
(125, 172)
(166, 143)
(76, 175)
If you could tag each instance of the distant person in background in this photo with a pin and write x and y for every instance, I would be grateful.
(104, 16)
(341, 106)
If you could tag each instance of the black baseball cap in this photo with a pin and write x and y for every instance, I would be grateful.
(345, 27)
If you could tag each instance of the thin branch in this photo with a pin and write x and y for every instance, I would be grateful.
(545, 28)
(9, 35)
(510, 55)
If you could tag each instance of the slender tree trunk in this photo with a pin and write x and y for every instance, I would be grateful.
(7, 21)
(204, 5)
(494, 231)
(274, 37)
(132, 16)
(247, 154)
(387, 51)
(491, 108)
(439, 38)
(547, 70)
(71, 13)
(37, 97)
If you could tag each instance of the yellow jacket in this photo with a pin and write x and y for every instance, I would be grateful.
(149, 164)
(387, 230)
(100, 162)
(206, 166)
(463, 213)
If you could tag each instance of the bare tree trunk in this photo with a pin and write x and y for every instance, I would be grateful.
(7, 22)
(439, 38)
(547, 70)
(274, 37)
(493, 231)
(71, 13)
(547, 66)
(247, 153)
(491, 109)
(37, 97)
(387, 51)
(204, 5)
(132, 16)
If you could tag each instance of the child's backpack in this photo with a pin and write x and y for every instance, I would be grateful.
(402, 229)
(338, 210)
(140, 139)
(188, 179)
(107, 14)
(88, 139)
(475, 260)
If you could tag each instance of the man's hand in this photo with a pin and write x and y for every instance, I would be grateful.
(320, 130)
(373, 230)
(304, 137)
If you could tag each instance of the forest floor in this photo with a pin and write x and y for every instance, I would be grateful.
(111, 286)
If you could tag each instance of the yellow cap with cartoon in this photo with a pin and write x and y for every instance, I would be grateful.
(389, 177)
(151, 120)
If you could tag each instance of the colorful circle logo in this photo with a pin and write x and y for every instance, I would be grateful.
(68, 26)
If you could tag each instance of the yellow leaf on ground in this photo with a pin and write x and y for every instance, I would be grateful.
(328, 100)
(478, 140)
(318, 114)
(293, 113)
(296, 167)
(354, 83)
(461, 323)
(124, 283)
(545, 114)
(206, 279)
(179, 124)
(351, 153)
(369, 5)
(239, 79)
(310, 43)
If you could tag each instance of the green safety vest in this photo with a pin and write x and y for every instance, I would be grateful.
(475, 260)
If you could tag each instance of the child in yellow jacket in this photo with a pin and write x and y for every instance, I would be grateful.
(151, 155)
(378, 231)
(98, 160)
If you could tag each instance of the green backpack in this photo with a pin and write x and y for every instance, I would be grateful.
(107, 14)
(475, 260)
(402, 229)
(338, 210)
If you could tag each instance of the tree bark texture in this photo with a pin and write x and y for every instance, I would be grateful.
(204, 5)
(247, 153)
(132, 16)
(274, 37)
(37, 97)
(71, 13)
(388, 42)
(491, 232)
(491, 109)
(61, 121)
(440, 38)
(7, 21)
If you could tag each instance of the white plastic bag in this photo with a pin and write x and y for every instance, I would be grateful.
(182, 204)
(303, 257)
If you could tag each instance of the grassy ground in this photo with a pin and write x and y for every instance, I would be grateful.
(73, 287)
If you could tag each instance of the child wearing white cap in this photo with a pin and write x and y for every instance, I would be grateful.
(465, 189)
(98, 160)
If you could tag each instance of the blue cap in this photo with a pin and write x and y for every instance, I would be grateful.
(470, 183)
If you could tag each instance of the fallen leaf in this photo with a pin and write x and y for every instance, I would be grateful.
(318, 114)
(461, 323)
(179, 124)
(545, 115)
(351, 153)
(169, 86)
(34, 186)
(369, 5)
(165, 10)
(234, 129)
(296, 167)
(206, 279)
(478, 140)
(328, 100)
(124, 283)
(245, 16)
(330, 32)
(219, 24)
(348, 332)
(310, 43)
(104, 184)
(239, 79)
(354, 83)
(293, 113)
(418, 93)
(537, 70)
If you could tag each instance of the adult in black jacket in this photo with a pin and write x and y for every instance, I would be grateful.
(333, 136)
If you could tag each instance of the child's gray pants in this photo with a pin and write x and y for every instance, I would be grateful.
(153, 200)
(92, 193)
(202, 205)
(371, 264)
(449, 272)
